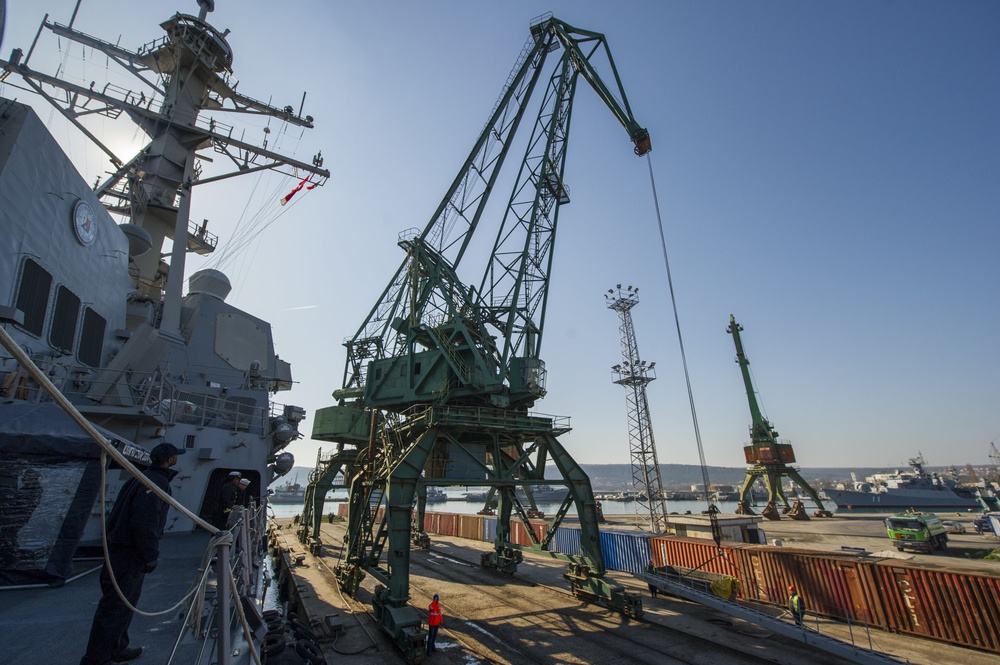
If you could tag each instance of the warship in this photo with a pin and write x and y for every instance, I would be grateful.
(291, 492)
(105, 356)
(916, 489)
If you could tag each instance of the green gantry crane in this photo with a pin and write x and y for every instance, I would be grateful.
(441, 375)
(768, 459)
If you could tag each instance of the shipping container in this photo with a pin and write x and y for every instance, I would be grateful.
(567, 540)
(693, 553)
(627, 551)
(953, 607)
(519, 535)
(470, 526)
(833, 585)
(432, 522)
(960, 608)
(489, 528)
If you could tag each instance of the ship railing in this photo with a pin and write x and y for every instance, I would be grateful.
(200, 238)
(228, 604)
(79, 381)
(217, 623)
(228, 412)
(485, 416)
(153, 45)
(147, 394)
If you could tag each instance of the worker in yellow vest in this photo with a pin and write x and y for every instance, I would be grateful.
(796, 605)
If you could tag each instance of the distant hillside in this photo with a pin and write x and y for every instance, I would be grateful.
(682, 476)
(606, 477)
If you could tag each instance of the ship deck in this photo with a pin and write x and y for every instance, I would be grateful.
(52, 625)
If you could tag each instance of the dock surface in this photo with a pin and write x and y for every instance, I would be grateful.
(531, 617)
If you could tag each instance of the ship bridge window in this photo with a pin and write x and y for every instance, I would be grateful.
(64, 319)
(33, 296)
(92, 338)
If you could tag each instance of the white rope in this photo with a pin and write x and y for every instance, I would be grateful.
(88, 427)
(107, 449)
(198, 584)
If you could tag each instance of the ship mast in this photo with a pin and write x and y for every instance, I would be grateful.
(182, 74)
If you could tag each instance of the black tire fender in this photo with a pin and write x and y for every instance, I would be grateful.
(303, 633)
(296, 622)
(273, 644)
(308, 650)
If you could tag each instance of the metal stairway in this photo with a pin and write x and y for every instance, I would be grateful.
(851, 652)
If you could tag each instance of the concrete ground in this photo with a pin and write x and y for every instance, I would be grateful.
(867, 531)
(323, 598)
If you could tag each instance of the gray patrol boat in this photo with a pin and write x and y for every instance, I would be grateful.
(98, 333)
(901, 490)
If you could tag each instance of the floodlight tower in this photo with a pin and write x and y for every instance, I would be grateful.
(634, 374)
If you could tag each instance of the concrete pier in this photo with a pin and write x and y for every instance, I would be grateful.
(532, 618)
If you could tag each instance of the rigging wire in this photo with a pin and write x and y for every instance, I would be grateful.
(712, 510)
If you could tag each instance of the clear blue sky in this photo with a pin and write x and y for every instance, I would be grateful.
(828, 173)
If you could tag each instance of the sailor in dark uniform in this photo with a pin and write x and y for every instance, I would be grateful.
(229, 497)
(134, 529)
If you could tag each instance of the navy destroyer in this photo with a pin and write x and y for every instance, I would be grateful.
(916, 489)
(98, 333)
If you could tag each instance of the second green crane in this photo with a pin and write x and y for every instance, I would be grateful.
(768, 459)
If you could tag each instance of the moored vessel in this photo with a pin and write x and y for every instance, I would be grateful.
(290, 492)
(916, 489)
(98, 325)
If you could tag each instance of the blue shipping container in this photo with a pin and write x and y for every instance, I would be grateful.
(489, 529)
(567, 540)
(627, 551)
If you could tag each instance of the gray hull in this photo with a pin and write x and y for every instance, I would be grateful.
(287, 498)
(900, 499)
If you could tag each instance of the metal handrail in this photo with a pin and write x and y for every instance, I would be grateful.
(153, 394)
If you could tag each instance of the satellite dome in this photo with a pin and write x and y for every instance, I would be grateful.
(210, 282)
(139, 240)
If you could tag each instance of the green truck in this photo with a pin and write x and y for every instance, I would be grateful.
(917, 531)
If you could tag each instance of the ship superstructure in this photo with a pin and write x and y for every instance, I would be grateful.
(99, 306)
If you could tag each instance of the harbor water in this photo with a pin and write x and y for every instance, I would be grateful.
(456, 503)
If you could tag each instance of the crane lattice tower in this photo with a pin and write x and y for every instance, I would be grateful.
(634, 375)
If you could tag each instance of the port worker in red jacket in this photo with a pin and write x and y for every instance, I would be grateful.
(434, 617)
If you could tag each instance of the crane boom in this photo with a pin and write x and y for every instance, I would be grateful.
(509, 303)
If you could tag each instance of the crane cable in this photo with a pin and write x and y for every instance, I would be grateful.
(712, 510)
